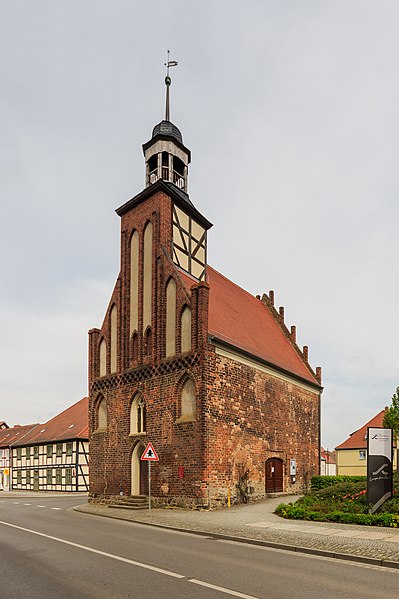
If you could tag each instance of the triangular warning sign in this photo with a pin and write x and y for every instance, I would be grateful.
(150, 455)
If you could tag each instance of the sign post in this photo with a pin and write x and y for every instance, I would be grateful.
(379, 466)
(149, 455)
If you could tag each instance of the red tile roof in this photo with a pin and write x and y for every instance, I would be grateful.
(15, 433)
(328, 456)
(358, 439)
(72, 423)
(238, 318)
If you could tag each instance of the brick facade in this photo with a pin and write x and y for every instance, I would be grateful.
(247, 410)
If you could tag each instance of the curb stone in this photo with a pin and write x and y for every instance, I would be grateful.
(258, 542)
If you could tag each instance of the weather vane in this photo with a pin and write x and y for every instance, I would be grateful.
(168, 81)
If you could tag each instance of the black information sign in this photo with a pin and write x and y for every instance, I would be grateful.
(379, 466)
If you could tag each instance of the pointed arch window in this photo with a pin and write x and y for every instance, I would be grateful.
(148, 342)
(138, 415)
(135, 347)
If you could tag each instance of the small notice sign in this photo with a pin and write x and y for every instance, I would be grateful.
(150, 455)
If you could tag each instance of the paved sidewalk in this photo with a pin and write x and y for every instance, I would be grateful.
(256, 523)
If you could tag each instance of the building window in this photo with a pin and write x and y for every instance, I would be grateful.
(58, 476)
(28, 477)
(19, 477)
(68, 476)
(49, 475)
(135, 348)
(362, 454)
(188, 400)
(19, 453)
(28, 453)
(36, 452)
(59, 450)
(69, 449)
(138, 415)
(148, 342)
(49, 451)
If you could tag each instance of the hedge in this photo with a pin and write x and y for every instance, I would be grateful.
(299, 513)
(319, 482)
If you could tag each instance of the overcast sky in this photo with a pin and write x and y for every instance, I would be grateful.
(291, 112)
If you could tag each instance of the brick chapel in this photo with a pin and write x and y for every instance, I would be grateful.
(191, 362)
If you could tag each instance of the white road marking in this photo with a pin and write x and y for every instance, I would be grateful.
(91, 550)
(40, 506)
(55, 508)
(132, 562)
(16, 502)
(221, 589)
(27, 504)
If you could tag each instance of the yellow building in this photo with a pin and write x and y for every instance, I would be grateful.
(351, 455)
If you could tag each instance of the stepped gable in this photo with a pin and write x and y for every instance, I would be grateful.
(72, 423)
(358, 439)
(240, 319)
(15, 433)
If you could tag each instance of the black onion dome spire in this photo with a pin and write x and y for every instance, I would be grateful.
(168, 129)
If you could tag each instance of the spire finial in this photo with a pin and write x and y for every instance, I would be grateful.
(168, 81)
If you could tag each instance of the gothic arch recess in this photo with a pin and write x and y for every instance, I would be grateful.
(101, 414)
(187, 399)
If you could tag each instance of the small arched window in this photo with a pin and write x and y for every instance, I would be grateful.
(138, 415)
(148, 342)
(135, 347)
(102, 415)
(186, 330)
(188, 400)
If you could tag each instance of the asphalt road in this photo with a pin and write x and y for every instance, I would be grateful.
(48, 551)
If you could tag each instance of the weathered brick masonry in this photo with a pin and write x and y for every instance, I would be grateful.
(239, 396)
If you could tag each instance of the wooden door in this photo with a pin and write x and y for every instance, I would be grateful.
(143, 478)
(274, 476)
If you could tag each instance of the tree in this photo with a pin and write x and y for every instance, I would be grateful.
(391, 417)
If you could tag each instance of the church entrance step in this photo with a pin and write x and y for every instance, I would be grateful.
(133, 502)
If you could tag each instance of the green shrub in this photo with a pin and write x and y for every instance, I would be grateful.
(319, 482)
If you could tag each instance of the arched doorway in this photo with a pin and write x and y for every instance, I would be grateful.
(139, 472)
(274, 475)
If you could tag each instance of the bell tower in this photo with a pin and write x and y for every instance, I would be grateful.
(166, 157)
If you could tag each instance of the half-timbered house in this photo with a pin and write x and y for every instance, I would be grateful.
(54, 456)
